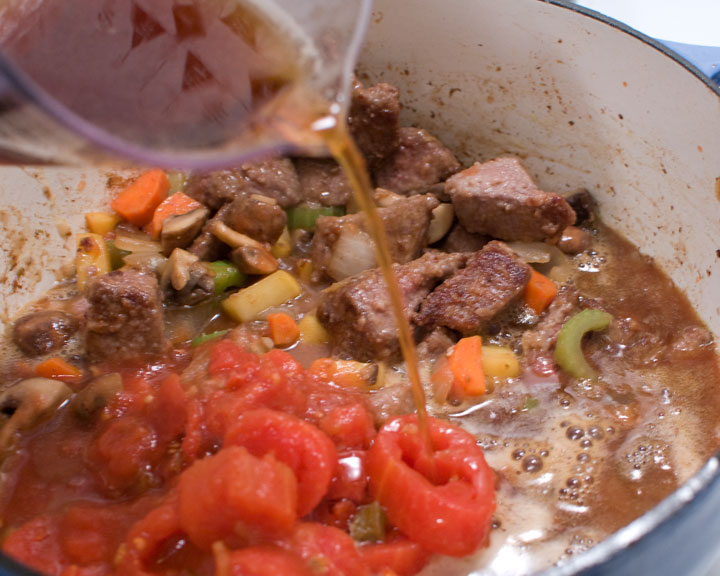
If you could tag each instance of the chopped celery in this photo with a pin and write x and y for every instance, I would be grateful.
(116, 255)
(227, 275)
(304, 216)
(369, 523)
(568, 350)
(207, 337)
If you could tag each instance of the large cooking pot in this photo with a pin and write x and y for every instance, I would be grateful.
(587, 103)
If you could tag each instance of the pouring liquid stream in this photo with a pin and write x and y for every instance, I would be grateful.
(346, 153)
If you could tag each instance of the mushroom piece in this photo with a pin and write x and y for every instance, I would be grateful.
(28, 402)
(443, 216)
(44, 331)
(179, 231)
(190, 280)
(253, 260)
(249, 255)
(96, 395)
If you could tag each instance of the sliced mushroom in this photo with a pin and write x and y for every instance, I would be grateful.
(254, 260)
(179, 231)
(189, 278)
(96, 395)
(441, 222)
(28, 402)
(231, 237)
(177, 270)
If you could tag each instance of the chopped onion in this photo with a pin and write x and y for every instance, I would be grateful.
(135, 242)
(532, 252)
(152, 260)
(352, 253)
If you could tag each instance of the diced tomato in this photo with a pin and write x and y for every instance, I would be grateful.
(123, 450)
(350, 480)
(327, 550)
(167, 411)
(36, 545)
(90, 533)
(265, 561)
(404, 557)
(238, 496)
(337, 513)
(147, 539)
(226, 357)
(350, 426)
(196, 439)
(443, 501)
(91, 570)
(304, 448)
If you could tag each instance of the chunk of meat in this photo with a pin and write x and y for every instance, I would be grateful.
(406, 225)
(357, 311)
(259, 217)
(460, 240)
(275, 178)
(466, 301)
(322, 180)
(584, 206)
(43, 331)
(500, 199)
(373, 121)
(419, 162)
(124, 316)
(540, 341)
(435, 344)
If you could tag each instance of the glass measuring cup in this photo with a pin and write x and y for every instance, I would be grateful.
(175, 83)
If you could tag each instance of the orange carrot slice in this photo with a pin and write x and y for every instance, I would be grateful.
(138, 202)
(283, 329)
(58, 369)
(173, 205)
(539, 292)
(465, 363)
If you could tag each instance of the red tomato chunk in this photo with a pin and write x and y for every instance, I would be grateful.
(253, 466)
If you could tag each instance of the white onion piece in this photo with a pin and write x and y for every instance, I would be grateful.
(136, 242)
(352, 253)
(152, 260)
(532, 252)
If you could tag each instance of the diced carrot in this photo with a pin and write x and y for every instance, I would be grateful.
(283, 329)
(539, 292)
(173, 205)
(465, 363)
(58, 368)
(138, 201)
(346, 374)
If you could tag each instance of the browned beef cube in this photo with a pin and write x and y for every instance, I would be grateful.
(419, 162)
(357, 312)
(406, 224)
(275, 178)
(460, 240)
(373, 121)
(259, 217)
(492, 279)
(500, 199)
(322, 180)
(124, 315)
(540, 341)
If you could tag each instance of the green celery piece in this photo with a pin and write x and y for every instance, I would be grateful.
(304, 216)
(116, 255)
(227, 275)
(207, 337)
(568, 350)
(369, 523)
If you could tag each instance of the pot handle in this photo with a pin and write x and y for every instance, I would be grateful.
(705, 58)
